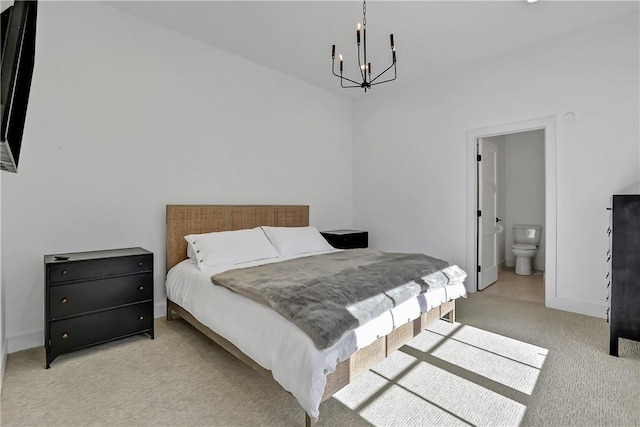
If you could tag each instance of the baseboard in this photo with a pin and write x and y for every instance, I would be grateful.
(3, 364)
(574, 306)
(160, 309)
(25, 340)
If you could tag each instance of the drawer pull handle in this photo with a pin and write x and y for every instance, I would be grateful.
(63, 301)
(140, 317)
(64, 272)
(140, 264)
(65, 336)
(141, 288)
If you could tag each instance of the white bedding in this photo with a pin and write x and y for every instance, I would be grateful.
(277, 344)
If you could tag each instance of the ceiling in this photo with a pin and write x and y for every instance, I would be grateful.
(432, 37)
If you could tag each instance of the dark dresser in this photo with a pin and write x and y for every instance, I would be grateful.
(347, 239)
(625, 270)
(95, 297)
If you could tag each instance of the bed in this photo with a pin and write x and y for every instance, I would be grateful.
(275, 347)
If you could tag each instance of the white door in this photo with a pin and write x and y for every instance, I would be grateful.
(487, 207)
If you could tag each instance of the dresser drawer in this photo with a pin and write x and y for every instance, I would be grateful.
(80, 297)
(96, 268)
(69, 334)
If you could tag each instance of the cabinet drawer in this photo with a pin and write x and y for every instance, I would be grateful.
(69, 334)
(80, 297)
(96, 268)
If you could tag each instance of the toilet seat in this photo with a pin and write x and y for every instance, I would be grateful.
(524, 247)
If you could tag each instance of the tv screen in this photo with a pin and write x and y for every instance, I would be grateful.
(18, 51)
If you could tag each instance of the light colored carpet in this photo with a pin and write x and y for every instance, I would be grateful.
(506, 362)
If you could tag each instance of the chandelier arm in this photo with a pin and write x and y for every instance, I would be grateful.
(347, 79)
(379, 75)
(395, 75)
(333, 71)
(347, 87)
(384, 81)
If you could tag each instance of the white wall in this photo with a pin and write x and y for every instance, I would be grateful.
(410, 149)
(525, 194)
(125, 117)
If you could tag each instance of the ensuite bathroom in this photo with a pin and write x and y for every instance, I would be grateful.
(520, 215)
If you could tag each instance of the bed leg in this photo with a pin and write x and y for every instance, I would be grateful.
(308, 421)
(169, 311)
(451, 317)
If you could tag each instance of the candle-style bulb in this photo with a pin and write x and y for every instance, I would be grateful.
(369, 69)
(391, 40)
(358, 34)
(333, 52)
(340, 63)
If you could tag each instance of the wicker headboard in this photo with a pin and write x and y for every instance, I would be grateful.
(195, 219)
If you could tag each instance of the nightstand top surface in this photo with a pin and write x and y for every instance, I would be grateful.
(344, 231)
(108, 253)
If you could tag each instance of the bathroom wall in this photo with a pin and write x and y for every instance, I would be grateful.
(524, 188)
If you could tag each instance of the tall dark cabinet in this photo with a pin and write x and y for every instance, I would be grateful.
(625, 270)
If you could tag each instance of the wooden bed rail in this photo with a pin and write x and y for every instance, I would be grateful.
(347, 370)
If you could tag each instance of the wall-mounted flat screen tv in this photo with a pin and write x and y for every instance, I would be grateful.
(18, 51)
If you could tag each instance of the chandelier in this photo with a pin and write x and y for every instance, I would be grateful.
(363, 65)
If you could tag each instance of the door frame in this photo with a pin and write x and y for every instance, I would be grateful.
(548, 124)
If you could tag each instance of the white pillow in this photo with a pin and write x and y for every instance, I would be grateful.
(191, 253)
(296, 240)
(230, 247)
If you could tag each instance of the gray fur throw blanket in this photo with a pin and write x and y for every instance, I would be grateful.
(327, 295)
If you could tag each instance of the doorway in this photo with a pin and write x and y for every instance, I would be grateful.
(476, 250)
(510, 192)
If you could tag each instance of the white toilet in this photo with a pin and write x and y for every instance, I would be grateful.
(527, 239)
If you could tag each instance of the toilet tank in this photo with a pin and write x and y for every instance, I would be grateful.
(527, 233)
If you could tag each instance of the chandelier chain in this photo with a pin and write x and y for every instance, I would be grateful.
(364, 13)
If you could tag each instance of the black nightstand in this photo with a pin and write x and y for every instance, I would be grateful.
(95, 297)
(347, 239)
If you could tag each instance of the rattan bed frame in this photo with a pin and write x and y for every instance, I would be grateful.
(192, 219)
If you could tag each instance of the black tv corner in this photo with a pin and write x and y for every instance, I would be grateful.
(18, 53)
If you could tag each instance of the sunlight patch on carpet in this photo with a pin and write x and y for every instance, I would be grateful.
(466, 400)
(450, 374)
(422, 394)
(510, 362)
(400, 407)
